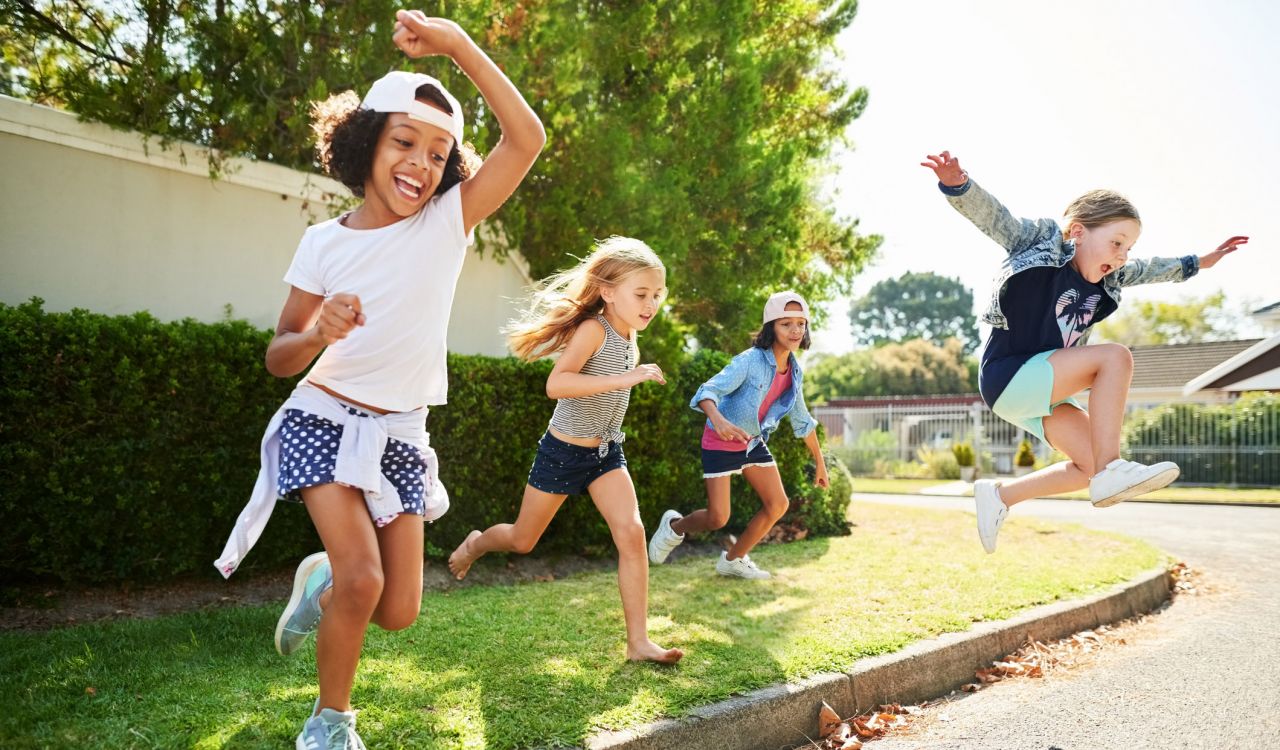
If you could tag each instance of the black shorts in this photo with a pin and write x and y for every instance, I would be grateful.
(723, 463)
(566, 469)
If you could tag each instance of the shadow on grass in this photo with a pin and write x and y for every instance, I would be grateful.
(504, 666)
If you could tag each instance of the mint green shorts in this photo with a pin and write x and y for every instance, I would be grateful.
(1025, 401)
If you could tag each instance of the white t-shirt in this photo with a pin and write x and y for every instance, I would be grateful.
(405, 275)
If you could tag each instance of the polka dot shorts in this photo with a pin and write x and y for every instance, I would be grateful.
(309, 455)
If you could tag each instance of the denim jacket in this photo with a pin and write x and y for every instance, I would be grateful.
(740, 388)
(1038, 243)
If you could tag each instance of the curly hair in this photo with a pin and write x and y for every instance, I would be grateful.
(347, 137)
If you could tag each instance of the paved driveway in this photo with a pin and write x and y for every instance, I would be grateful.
(1205, 673)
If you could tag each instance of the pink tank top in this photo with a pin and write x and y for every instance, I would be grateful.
(711, 441)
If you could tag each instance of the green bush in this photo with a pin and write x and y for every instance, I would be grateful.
(870, 447)
(129, 445)
(1222, 444)
(938, 463)
(1024, 456)
(963, 453)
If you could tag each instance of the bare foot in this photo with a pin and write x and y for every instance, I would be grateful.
(650, 651)
(462, 557)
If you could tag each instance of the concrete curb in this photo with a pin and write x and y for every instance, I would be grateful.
(781, 715)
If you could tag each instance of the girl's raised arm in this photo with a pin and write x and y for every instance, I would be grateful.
(522, 134)
(982, 208)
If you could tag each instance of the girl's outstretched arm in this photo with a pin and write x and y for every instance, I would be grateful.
(1157, 270)
(522, 133)
(982, 208)
(566, 379)
(1233, 244)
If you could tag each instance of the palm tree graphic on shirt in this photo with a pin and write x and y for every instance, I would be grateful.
(1074, 315)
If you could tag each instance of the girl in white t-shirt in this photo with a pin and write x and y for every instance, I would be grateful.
(371, 294)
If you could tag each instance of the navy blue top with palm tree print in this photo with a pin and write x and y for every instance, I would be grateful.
(1047, 308)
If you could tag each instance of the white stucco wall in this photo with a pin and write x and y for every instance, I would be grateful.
(91, 218)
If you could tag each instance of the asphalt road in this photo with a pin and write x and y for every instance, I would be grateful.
(1204, 673)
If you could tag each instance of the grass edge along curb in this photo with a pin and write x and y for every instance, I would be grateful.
(780, 715)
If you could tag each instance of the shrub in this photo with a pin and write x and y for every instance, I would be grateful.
(963, 453)
(129, 445)
(1235, 443)
(938, 464)
(870, 447)
(1024, 455)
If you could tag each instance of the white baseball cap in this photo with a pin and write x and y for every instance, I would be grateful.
(397, 92)
(776, 307)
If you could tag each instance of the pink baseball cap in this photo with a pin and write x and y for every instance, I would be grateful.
(397, 92)
(776, 307)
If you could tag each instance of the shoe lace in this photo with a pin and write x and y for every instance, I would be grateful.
(342, 735)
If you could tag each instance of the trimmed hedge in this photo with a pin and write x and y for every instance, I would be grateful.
(1237, 443)
(129, 445)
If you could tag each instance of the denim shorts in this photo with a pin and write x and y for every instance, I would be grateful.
(566, 469)
(723, 463)
(309, 456)
(1025, 402)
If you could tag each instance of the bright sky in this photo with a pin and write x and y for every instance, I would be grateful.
(1175, 103)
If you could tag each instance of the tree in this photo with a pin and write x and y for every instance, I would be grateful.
(915, 306)
(702, 128)
(1145, 323)
(912, 368)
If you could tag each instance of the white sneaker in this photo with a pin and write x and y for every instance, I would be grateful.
(991, 511)
(664, 538)
(1123, 479)
(742, 568)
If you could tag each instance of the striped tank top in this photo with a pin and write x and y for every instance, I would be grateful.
(599, 415)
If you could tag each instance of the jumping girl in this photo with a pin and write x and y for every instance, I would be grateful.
(371, 292)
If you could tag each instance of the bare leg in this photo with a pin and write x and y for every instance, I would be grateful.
(400, 543)
(615, 498)
(716, 514)
(340, 516)
(1106, 370)
(1068, 429)
(767, 483)
(536, 511)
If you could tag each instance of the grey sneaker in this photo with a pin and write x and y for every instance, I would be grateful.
(330, 730)
(302, 614)
(991, 511)
(664, 538)
(743, 567)
(1122, 479)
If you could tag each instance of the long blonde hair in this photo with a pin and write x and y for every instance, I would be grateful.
(561, 302)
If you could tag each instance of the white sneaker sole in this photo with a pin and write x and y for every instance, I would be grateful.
(1163, 479)
(305, 569)
(731, 574)
(656, 555)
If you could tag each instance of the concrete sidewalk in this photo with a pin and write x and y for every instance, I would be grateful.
(782, 715)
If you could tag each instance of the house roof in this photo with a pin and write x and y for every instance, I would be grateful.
(1173, 366)
(1261, 358)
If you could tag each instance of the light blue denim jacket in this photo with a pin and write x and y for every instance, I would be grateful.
(1038, 243)
(740, 388)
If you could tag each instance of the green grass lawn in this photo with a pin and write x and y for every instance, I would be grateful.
(1167, 495)
(543, 664)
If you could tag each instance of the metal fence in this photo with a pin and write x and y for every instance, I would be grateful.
(1233, 444)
